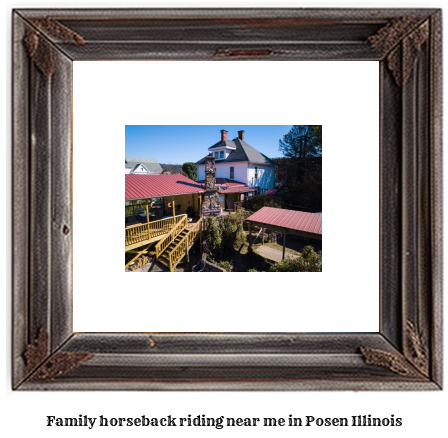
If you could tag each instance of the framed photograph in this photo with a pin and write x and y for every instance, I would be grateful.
(199, 216)
(62, 217)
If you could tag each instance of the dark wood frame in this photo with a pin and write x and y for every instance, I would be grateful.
(406, 354)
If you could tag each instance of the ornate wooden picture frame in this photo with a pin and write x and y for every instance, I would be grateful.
(406, 353)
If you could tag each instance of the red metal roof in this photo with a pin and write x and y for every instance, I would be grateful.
(154, 186)
(243, 189)
(294, 220)
(271, 191)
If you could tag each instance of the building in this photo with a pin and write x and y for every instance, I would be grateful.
(230, 192)
(142, 166)
(236, 160)
(177, 189)
(162, 212)
(286, 222)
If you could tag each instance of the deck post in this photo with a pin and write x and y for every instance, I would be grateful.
(147, 221)
(250, 234)
(174, 210)
(262, 236)
(188, 255)
(284, 244)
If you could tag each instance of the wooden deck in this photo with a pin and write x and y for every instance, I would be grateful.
(144, 242)
(174, 237)
(143, 234)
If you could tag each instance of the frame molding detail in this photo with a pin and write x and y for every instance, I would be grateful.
(406, 353)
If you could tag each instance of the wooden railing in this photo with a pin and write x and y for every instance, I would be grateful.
(184, 244)
(171, 236)
(141, 232)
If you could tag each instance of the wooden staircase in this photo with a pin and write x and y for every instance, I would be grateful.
(165, 256)
(174, 236)
(173, 248)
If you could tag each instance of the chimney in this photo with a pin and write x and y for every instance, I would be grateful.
(223, 135)
(241, 135)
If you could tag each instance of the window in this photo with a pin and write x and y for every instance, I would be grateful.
(232, 173)
(221, 154)
(256, 172)
(216, 155)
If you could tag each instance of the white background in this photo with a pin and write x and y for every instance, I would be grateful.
(424, 414)
(110, 95)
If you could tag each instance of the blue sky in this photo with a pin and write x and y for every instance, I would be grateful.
(179, 144)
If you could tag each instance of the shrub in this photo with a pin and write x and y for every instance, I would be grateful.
(226, 232)
(226, 265)
(228, 226)
(310, 261)
(242, 215)
(233, 231)
(240, 235)
(214, 238)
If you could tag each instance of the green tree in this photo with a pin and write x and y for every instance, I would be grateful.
(256, 202)
(226, 233)
(302, 141)
(315, 137)
(310, 261)
(214, 236)
(172, 169)
(191, 170)
(299, 174)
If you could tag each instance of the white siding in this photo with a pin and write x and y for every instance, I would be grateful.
(201, 172)
(244, 173)
(127, 170)
(265, 176)
(240, 171)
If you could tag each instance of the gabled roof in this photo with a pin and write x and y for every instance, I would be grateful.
(223, 144)
(151, 164)
(290, 219)
(138, 166)
(155, 186)
(243, 152)
(252, 154)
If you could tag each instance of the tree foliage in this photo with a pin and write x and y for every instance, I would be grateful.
(171, 168)
(226, 232)
(191, 170)
(256, 202)
(301, 183)
(302, 141)
(227, 266)
(299, 172)
(214, 236)
(310, 261)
